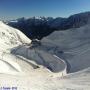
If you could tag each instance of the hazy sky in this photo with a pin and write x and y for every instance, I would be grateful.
(10, 9)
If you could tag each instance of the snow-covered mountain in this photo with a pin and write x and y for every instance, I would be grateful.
(43, 65)
(72, 45)
(10, 37)
(39, 27)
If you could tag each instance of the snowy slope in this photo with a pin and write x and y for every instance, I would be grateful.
(39, 67)
(71, 45)
(10, 37)
(41, 81)
(42, 58)
(16, 43)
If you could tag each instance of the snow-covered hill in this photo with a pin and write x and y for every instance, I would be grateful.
(43, 66)
(15, 45)
(10, 37)
(72, 45)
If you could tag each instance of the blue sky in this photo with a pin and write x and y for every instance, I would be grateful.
(10, 9)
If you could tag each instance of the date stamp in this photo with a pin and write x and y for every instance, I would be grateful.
(8, 88)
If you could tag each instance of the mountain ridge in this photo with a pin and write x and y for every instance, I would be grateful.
(37, 28)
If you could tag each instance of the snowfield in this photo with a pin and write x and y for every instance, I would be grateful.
(60, 62)
(72, 45)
